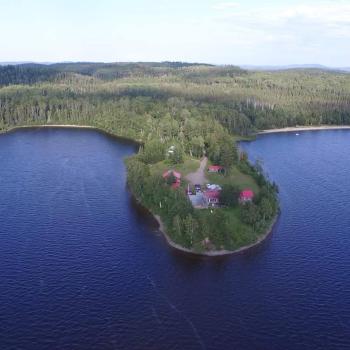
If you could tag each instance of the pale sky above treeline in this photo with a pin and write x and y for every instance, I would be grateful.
(253, 32)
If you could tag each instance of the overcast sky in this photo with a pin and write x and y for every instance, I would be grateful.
(258, 32)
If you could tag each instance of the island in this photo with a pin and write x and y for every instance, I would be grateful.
(187, 118)
(209, 201)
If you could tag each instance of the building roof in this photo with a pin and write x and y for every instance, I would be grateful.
(247, 194)
(175, 173)
(176, 184)
(215, 168)
(212, 194)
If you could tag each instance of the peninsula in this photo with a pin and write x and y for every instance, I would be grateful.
(186, 117)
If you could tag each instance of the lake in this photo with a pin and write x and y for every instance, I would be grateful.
(83, 267)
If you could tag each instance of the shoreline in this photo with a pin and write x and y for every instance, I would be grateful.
(161, 227)
(71, 126)
(214, 253)
(303, 128)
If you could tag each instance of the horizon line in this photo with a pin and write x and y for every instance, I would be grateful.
(247, 65)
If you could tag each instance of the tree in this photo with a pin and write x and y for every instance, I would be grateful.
(177, 227)
(229, 195)
(137, 173)
(169, 127)
(153, 152)
(266, 209)
(228, 154)
(197, 146)
(190, 228)
(250, 214)
(176, 155)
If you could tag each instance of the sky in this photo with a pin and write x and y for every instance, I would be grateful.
(241, 32)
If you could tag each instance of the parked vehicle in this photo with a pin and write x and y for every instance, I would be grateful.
(198, 188)
(213, 187)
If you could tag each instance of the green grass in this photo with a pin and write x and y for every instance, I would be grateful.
(235, 177)
(188, 166)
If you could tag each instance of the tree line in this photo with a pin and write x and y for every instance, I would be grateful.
(241, 101)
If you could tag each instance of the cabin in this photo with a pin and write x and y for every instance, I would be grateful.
(246, 195)
(212, 198)
(176, 175)
(216, 169)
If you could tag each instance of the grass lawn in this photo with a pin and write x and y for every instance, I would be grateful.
(235, 177)
(188, 166)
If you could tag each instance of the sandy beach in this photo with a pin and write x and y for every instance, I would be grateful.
(305, 128)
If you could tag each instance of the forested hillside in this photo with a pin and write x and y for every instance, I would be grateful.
(140, 100)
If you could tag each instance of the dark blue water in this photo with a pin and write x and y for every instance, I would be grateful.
(82, 267)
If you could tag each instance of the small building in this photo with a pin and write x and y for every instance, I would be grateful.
(216, 169)
(246, 195)
(176, 175)
(214, 187)
(212, 198)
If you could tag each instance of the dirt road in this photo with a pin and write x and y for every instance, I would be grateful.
(198, 177)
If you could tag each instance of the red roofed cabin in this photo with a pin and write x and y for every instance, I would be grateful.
(246, 195)
(216, 169)
(212, 197)
(176, 175)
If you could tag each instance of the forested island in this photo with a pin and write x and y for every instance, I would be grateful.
(180, 114)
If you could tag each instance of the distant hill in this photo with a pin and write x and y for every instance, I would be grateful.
(119, 69)
(295, 66)
(17, 63)
(30, 73)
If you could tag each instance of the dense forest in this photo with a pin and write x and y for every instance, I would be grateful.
(194, 108)
(141, 99)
